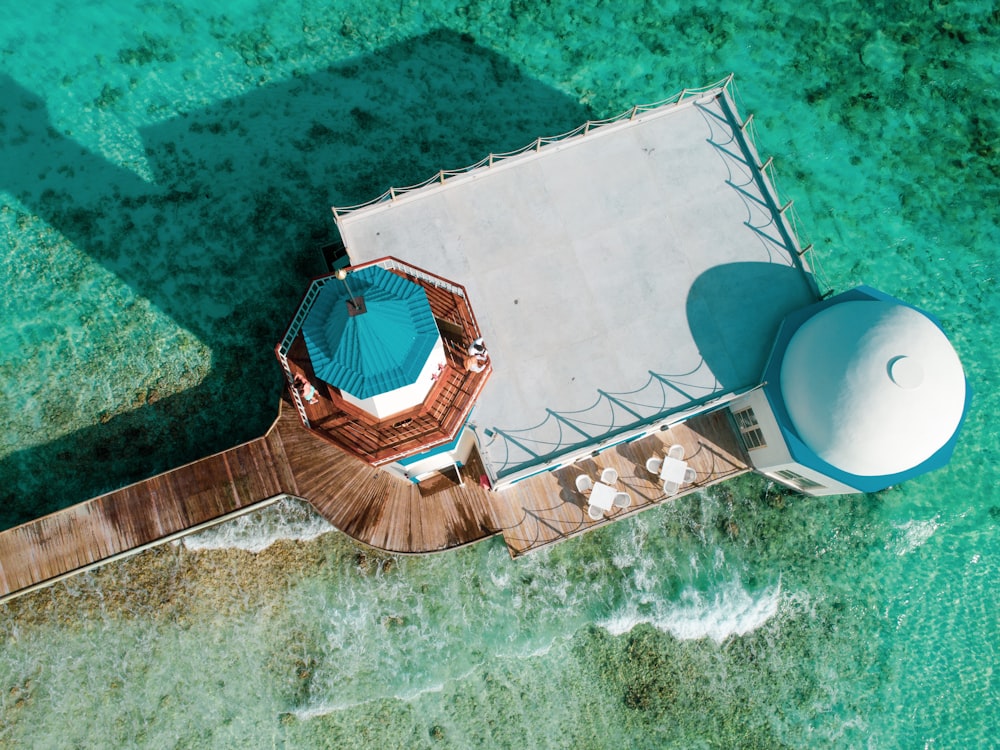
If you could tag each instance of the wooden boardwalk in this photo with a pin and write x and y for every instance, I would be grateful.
(365, 503)
(152, 511)
(377, 508)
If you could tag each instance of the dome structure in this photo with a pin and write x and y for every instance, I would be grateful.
(871, 386)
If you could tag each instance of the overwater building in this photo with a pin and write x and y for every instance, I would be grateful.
(552, 339)
(861, 392)
(630, 275)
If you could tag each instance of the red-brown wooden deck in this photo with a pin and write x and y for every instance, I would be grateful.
(136, 516)
(547, 507)
(364, 502)
(435, 422)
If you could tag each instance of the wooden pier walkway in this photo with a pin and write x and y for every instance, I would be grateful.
(365, 503)
(140, 515)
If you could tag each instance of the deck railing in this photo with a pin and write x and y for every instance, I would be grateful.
(727, 84)
(430, 279)
(495, 158)
(286, 343)
(782, 215)
(393, 264)
(426, 278)
(560, 436)
(806, 252)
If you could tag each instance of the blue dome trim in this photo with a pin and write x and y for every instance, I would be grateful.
(798, 449)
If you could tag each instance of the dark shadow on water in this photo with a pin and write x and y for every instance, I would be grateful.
(734, 311)
(224, 239)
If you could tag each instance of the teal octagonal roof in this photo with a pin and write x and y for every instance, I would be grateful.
(375, 351)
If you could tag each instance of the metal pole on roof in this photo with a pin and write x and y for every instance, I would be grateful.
(342, 275)
(352, 302)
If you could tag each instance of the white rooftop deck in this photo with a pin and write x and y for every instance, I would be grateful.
(619, 277)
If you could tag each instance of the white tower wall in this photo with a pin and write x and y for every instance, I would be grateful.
(769, 453)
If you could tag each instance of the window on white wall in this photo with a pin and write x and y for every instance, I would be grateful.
(803, 483)
(750, 431)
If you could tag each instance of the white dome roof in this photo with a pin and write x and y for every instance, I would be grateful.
(872, 387)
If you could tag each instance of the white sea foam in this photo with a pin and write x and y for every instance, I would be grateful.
(409, 696)
(286, 519)
(730, 610)
(323, 709)
(911, 535)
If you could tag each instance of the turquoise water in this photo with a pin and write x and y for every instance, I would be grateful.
(167, 172)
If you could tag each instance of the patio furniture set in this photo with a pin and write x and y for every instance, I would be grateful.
(603, 496)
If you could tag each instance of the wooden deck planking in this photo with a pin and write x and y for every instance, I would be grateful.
(368, 504)
(401, 523)
(434, 422)
(23, 557)
(369, 520)
(384, 511)
(138, 515)
(547, 508)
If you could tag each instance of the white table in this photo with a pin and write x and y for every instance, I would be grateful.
(673, 470)
(602, 495)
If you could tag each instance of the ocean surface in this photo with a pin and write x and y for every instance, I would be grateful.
(165, 178)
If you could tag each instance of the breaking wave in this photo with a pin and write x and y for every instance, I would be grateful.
(288, 518)
(730, 610)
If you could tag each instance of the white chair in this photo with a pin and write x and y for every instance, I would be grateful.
(676, 451)
(653, 465)
(671, 488)
(595, 513)
(609, 476)
(622, 500)
(583, 483)
(690, 475)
